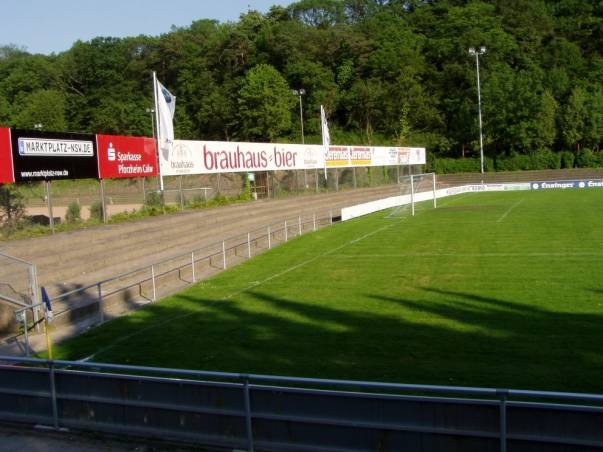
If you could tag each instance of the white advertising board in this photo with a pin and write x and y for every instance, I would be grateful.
(206, 157)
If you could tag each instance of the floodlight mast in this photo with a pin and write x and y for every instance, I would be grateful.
(476, 54)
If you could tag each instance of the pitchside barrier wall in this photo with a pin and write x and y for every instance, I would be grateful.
(349, 213)
(260, 412)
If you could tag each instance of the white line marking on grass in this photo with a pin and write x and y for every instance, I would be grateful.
(504, 215)
(238, 292)
(535, 254)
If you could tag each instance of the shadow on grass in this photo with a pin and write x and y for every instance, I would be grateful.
(447, 338)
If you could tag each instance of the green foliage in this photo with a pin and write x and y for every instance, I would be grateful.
(246, 193)
(584, 158)
(265, 104)
(567, 159)
(96, 211)
(73, 214)
(450, 165)
(154, 199)
(537, 160)
(12, 209)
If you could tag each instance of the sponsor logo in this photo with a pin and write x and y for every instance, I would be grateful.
(111, 153)
(55, 148)
(566, 184)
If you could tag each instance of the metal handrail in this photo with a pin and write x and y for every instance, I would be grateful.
(100, 283)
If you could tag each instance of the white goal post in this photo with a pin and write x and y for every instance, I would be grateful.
(421, 187)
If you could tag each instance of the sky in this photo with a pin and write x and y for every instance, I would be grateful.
(53, 26)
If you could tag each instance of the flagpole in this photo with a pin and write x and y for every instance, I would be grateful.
(325, 144)
(155, 93)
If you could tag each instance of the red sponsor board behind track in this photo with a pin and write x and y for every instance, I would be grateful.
(121, 156)
(6, 160)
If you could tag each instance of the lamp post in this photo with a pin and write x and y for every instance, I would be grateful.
(151, 111)
(476, 53)
(300, 93)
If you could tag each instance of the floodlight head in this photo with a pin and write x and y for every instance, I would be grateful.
(474, 52)
(302, 92)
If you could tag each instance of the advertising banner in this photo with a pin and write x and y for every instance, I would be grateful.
(47, 155)
(206, 157)
(121, 156)
(6, 160)
(350, 156)
(566, 184)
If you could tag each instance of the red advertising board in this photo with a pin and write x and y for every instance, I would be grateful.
(6, 159)
(120, 156)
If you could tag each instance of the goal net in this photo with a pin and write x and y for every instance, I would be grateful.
(415, 188)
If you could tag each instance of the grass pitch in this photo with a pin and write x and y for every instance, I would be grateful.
(489, 289)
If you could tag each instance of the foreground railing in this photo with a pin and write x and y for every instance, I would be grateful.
(240, 411)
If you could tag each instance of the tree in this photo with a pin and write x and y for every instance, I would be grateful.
(46, 108)
(12, 208)
(573, 119)
(265, 104)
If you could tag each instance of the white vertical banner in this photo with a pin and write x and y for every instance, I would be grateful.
(326, 137)
(165, 106)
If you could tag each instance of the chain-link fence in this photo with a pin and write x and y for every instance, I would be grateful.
(18, 290)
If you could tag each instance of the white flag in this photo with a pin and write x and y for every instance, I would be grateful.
(166, 106)
(326, 138)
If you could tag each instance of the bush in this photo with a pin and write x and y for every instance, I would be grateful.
(545, 159)
(96, 211)
(597, 160)
(451, 166)
(584, 158)
(537, 160)
(73, 214)
(154, 199)
(567, 159)
(12, 209)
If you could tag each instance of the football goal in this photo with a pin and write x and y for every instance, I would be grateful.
(418, 187)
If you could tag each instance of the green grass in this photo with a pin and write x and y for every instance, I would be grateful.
(492, 289)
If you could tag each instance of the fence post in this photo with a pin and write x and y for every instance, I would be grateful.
(223, 255)
(503, 419)
(435, 202)
(193, 265)
(53, 395)
(248, 423)
(25, 333)
(314, 221)
(153, 281)
(300, 226)
(331, 216)
(412, 194)
(249, 245)
(101, 313)
(269, 238)
(286, 236)
(33, 287)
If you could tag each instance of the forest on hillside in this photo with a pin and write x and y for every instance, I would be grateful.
(389, 72)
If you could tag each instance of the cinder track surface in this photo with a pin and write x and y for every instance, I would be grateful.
(87, 256)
